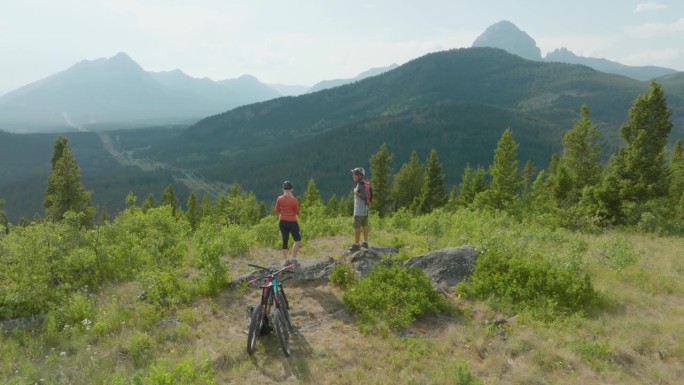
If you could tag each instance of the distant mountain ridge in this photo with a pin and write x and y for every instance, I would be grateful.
(117, 90)
(325, 84)
(509, 37)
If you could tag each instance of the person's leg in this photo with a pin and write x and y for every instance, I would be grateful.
(285, 233)
(297, 237)
(295, 249)
(357, 229)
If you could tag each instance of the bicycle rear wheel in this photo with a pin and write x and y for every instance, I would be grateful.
(282, 331)
(254, 327)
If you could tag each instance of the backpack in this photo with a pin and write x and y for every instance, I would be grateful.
(369, 191)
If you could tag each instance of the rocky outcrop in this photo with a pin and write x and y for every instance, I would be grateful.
(445, 267)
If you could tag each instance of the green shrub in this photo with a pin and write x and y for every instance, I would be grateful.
(342, 275)
(391, 298)
(617, 254)
(140, 348)
(186, 372)
(530, 283)
(164, 288)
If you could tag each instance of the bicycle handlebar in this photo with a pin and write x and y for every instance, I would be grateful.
(272, 273)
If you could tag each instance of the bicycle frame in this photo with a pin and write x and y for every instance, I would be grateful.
(260, 320)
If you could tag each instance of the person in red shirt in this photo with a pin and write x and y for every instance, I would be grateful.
(287, 208)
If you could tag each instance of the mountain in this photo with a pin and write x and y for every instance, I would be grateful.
(289, 90)
(250, 89)
(507, 36)
(117, 91)
(325, 84)
(563, 55)
(457, 102)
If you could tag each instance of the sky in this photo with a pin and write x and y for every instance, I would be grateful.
(302, 42)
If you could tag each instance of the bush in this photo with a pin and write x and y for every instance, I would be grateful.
(343, 276)
(186, 372)
(517, 282)
(391, 298)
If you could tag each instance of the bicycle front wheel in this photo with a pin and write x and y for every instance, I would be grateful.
(282, 331)
(254, 328)
(282, 304)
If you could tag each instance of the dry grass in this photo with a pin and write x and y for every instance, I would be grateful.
(635, 339)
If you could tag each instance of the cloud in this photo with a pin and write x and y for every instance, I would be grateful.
(645, 7)
(671, 30)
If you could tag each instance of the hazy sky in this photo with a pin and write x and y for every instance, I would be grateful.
(303, 42)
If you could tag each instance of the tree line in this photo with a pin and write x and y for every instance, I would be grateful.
(641, 185)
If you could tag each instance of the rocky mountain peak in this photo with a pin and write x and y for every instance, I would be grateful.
(507, 36)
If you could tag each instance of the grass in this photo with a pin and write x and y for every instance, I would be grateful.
(634, 338)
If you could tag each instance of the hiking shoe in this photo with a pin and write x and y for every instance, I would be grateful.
(355, 247)
(364, 245)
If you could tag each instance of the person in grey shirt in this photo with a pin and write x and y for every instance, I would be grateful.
(360, 210)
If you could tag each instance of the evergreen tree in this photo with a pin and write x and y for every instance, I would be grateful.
(194, 213)
(312, 197)
(206, 206)
(529, 174)
(638, 172)
(148, 203)
(3, 217)
(677, 172)
(505, 175)
(433, 193)
(465, 197)
(332, 209)
(169, 198)
(131, 199)
(408, 182)
(381, 169)
(473, 182)
(64, 191)
(581, 156)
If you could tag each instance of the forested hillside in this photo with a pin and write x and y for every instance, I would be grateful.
(457, 101)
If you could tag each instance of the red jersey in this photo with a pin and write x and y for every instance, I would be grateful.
(287, 207)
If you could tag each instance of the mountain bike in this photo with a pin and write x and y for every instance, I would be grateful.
(261, 319)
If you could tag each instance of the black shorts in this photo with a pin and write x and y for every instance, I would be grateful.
(287, 228)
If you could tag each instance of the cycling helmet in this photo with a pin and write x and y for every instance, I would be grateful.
(287, 185)
(359, 171)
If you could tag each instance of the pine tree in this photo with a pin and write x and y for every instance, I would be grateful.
(529, 174)
(408, 182)
(312, 197)
(194, 213)
(506, 182)
(169, 198)
(433, 193)
(381, 169)
(64, 191)
(638, 172)
(332, 209)
(148, 203)
(131, 200)
(581, 156)
(677, 172)
(466, 196)
(206, 206)
(3, 217)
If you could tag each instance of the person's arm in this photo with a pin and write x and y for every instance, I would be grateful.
(361, 189)
(277, 207)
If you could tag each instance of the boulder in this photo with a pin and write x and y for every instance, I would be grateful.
(448, 266)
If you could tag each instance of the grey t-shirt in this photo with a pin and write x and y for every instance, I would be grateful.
(360, 206)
